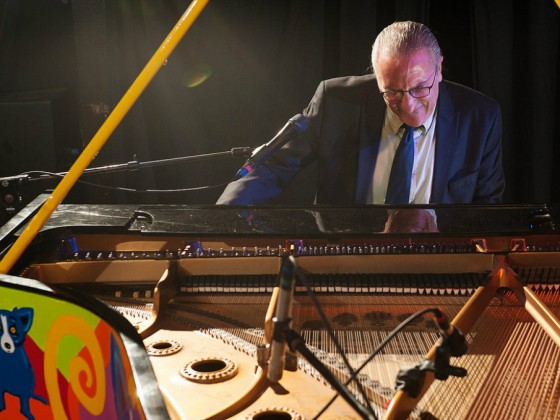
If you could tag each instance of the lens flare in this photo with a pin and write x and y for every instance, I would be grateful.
(197, 75)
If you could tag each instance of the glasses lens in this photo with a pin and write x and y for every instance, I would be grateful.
(390, 95)
(420, 92)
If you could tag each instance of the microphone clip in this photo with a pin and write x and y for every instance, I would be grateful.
(447, 348)
(281, 328)
(411, 378)
(453, 343)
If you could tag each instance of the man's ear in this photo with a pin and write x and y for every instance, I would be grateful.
(440, 69)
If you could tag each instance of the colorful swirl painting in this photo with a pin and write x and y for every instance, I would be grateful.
(60, 361)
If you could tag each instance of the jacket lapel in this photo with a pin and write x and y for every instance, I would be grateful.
(447, 126)
(371, 124)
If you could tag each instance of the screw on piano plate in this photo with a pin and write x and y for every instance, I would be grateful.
(263, 354)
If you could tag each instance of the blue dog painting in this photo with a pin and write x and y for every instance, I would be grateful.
(17, 376)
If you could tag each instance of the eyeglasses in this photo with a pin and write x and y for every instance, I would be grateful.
(418, 92)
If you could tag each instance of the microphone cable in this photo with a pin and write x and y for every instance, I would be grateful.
(353, 375)
(125, 189)
(381, 346)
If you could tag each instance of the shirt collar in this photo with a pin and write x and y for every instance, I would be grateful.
(395, 124)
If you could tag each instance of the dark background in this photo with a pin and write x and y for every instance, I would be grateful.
(65, 64)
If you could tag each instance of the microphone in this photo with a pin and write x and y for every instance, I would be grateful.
(281, 321)
(455, 338)
(442, 321)
(293, 128)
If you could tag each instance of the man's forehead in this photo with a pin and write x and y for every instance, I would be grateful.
(404, 67)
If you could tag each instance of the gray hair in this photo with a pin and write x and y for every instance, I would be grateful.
(404, 38)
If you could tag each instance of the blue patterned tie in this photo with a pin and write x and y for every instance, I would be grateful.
(398, 190)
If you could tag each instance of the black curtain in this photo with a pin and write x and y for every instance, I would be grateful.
(241, 71)
(517, 61)
(245, 67)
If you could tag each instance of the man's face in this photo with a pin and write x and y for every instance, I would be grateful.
(405, 73)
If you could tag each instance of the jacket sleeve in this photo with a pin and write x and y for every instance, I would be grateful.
(269, 180)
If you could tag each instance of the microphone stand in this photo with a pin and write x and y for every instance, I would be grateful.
(297, 343)
(283, 334)
(11, 198)
(135, 165)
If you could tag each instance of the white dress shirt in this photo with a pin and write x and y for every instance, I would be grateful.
(423, 168)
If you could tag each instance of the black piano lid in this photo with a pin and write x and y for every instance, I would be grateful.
(348, 221)
(313, 221)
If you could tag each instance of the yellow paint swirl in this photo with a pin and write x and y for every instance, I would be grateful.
(70, 325)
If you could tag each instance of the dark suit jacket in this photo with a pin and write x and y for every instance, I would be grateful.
(346, 116)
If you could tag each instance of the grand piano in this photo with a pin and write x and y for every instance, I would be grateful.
(208, 293)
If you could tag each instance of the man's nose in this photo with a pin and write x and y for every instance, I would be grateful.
(407, 102)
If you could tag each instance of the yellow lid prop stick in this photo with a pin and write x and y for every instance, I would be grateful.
(106, 129)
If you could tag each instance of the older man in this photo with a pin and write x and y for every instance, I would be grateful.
(400, 135)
